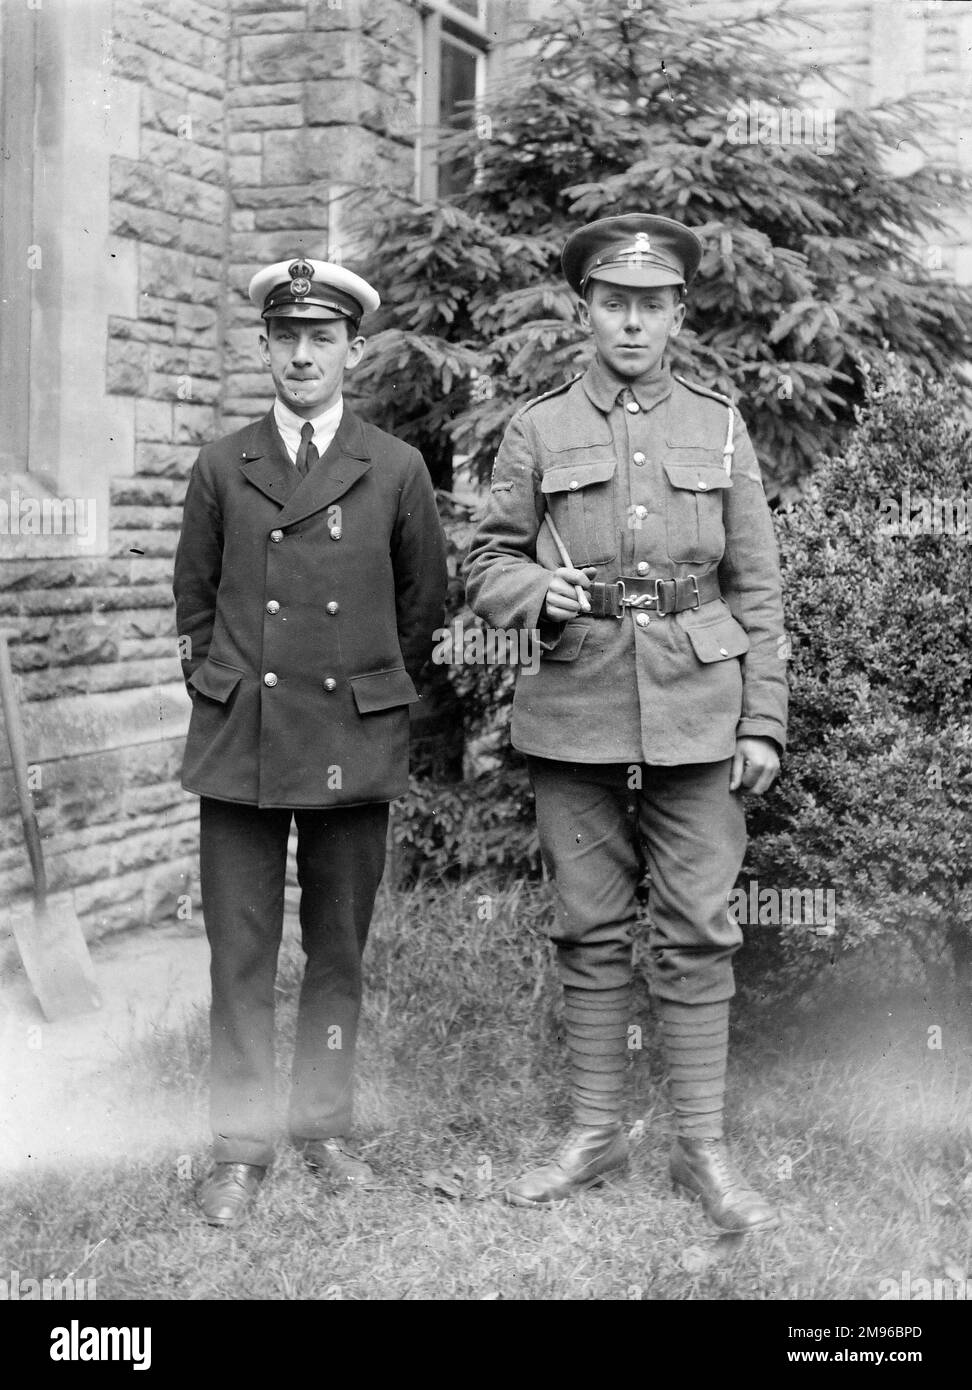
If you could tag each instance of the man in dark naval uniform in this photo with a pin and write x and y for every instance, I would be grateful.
(627, 523)
(309, 578)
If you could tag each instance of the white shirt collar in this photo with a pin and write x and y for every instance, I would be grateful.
(290, 425)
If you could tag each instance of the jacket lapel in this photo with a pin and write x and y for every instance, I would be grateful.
(345, 461)
(265, 462)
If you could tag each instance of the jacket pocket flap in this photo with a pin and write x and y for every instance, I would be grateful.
(215, 681)
(719, 641)
(571, 641)
(697, 477)
(377, 690)
(572, 477)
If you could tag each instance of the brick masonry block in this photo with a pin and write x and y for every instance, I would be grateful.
(183, 155)
(141, 492)
(245, 119)
(165, 460)
(270, 58)
(263, 94)
(194, 322)
(166, 274)
(139, 331)
(127, 370)
(282, 21)
(194, 423)
(155, 544)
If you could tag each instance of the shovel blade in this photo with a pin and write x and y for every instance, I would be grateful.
(55, 956)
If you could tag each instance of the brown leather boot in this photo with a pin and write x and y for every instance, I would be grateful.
(704, 1169)
(229, 1191)
(586, 1157)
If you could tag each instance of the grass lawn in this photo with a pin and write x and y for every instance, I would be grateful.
(838, 1108)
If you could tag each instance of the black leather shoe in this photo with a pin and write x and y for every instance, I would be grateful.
(703, 1168)
(229, 1191)
(335, 1159)
(586, 1157)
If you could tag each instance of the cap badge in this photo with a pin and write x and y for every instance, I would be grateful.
(301, 275)
(638, 253)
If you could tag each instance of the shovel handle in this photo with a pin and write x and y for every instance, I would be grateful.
(18, 756)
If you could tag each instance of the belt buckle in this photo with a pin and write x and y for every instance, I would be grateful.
(622, 600)
(698, 596)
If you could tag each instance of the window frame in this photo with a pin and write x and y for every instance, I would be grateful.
(439, 21)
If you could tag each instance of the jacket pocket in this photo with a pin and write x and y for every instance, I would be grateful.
(571, 640)
(580, 495)
(697, 481)
(378, 690)
(215, 680)
(719, 641)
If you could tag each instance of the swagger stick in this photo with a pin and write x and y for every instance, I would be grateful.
(565, 558)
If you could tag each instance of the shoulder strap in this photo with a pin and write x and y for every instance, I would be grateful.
(554, 391)
(729, 448)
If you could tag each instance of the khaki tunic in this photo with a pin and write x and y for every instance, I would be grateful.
(635, 478)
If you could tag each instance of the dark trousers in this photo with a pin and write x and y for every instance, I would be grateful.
(597, 833)
(243, 860)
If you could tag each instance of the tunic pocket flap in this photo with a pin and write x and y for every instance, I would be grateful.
(215, 681)
(719, 641)
(377, 690)
(697, 477)
(572, 477)
(570, 643)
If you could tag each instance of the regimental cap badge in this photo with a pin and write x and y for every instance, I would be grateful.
(301, 274)
(638, 254)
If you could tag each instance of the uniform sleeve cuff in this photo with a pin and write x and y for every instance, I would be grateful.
(762, 728)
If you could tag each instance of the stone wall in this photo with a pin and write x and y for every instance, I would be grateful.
(96, 659)
(243, 127)
(320, 120)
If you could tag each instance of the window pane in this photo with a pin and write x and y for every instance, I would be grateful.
(458, 83)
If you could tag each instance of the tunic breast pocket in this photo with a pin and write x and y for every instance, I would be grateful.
(697, 481)
(580, 497)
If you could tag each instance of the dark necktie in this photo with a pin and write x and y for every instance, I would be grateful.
(307, 455)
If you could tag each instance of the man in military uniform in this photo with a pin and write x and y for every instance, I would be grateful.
(627, 523)
(309, 578)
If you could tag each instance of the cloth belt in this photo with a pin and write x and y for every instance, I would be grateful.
(659, 596)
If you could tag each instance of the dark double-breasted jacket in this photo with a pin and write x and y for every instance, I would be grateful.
(305, 608)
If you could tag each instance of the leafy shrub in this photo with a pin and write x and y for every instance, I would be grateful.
(875, 800)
